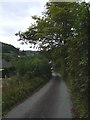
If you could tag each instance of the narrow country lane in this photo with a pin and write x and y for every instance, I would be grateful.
(51, 101)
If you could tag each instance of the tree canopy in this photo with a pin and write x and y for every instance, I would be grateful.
(65, 22)
(60, 21)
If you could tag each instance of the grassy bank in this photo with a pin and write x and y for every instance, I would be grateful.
(30, 72)
(14, 92)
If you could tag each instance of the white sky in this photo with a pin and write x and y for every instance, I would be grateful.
(15, 15)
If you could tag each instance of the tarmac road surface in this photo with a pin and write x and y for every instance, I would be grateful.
(51, 101)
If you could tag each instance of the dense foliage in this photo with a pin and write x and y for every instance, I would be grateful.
(65, 22)
(30, 72)
(36, 65)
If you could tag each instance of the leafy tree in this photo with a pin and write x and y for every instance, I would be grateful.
(50, 29)
(33, 66)
(68, 22)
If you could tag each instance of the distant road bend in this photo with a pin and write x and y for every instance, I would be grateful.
(51, 101)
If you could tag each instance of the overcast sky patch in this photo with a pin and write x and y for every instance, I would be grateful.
(15, 15)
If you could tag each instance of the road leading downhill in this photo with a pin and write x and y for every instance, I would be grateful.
(51, 101)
